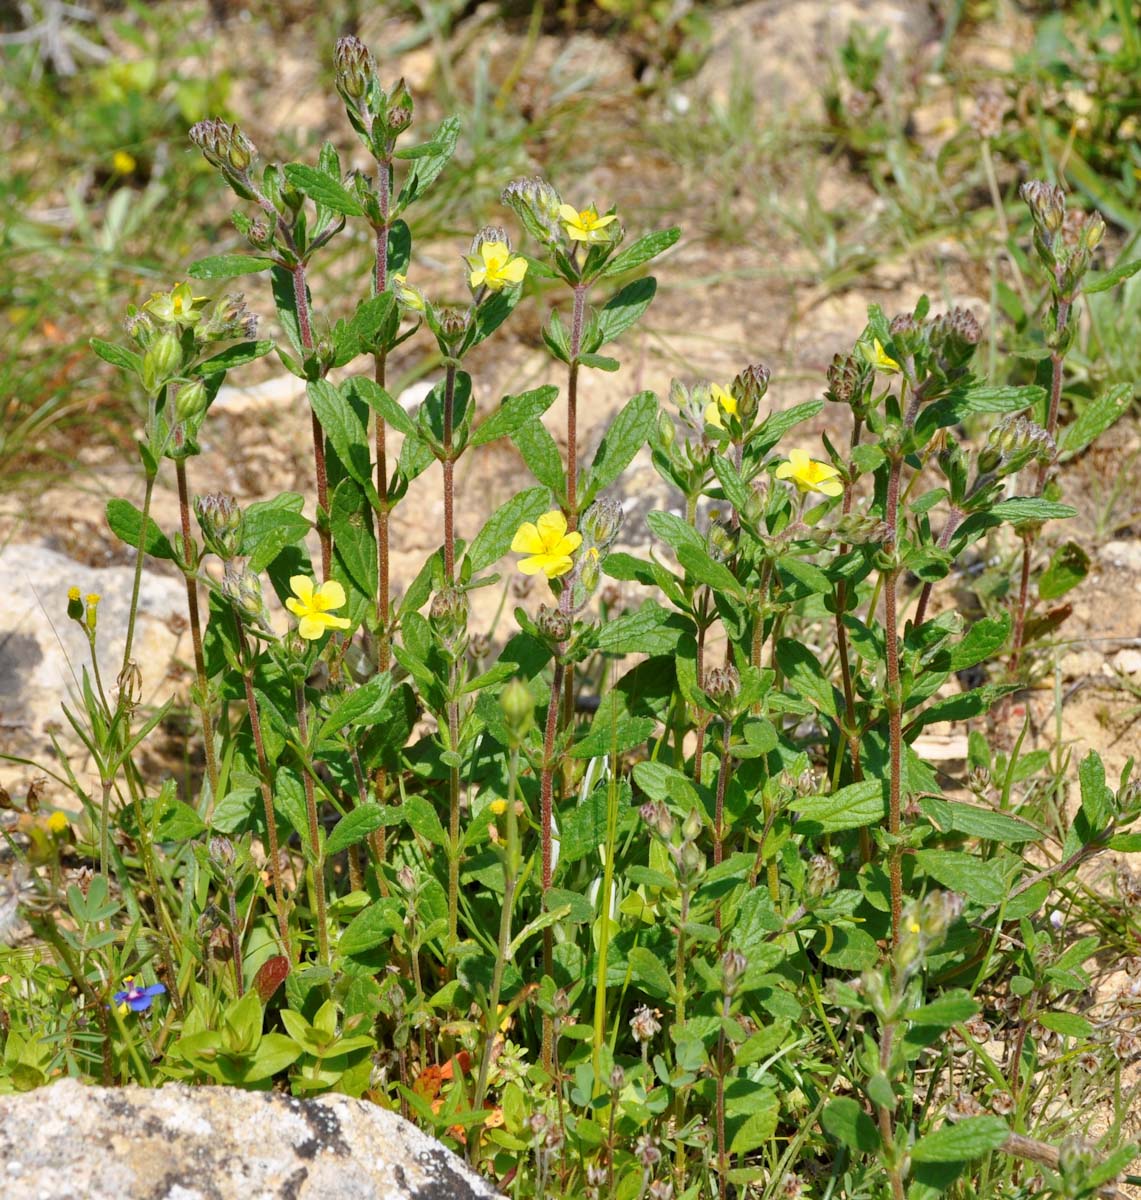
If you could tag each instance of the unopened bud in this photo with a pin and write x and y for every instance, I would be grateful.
(906, 333)
(448, 615)
(161, 360)
(408, 296)
(658, 817)
(243, 589)
(723, 686)
(75, 604)
(228, 319)
(518, 707)
(553, 624)
(220, 519)
(749, 389)
(223, 145)
(536, 203)
(1047, 204)
(849, 377)
(406, 879)
(1092, 233)
(354, 67)
(733, 964)
(453, 324)
(190, 402)
(617, 1079)
(600, 524)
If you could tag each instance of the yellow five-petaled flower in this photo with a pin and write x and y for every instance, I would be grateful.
(721, 402)
(585, 225)
(809, 475)
(495, 267)
(548, 544)
(313, 606)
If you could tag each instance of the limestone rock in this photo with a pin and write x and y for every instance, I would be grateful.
(43, 653)
(71, 1142)
(1126, 556)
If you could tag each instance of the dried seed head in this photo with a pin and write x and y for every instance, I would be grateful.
(646, 1151)
(991, 106)
(849, 377)
(453, 323)
(723, 686)
(644, 1024)
(553, 624)
(823, 876)
(617, 1079)
(242, 587)
(229, 319)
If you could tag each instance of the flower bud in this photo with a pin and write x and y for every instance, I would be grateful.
(406, 879)
(723, 686)
(223, 146)
(536, 203)
(74, 604)
(691, 826)
(220, 519)
(243, 589)
(489, 233)
(518, 707)
(733, 964)
(1047, 204)
(91, 617)
(448, 616)
(354, 68)
(907, 334)
(553, 624)
(617, 1079)
(229, 319)
(666, 432)
(600, 524)
(658, 817)
(1092, 233)
(190, 401)
(954, 335)
(748, 389)
(161, 360)
(849, 378)
(823, 876)
(409, 297)
(453, 324)
(860, 529)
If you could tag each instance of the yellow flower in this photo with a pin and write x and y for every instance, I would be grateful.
(882, 361)
(810, 475)
(498, 807)
(721, 402)
(312, 606)
(495, 266)
(585, 225)
(176, 307)
(58, 822)
(549, 545)
(73, 595)
(122, 163)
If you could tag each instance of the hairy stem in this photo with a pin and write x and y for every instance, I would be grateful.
(318, 859)
(954, 519)
(305, 330)
(546, 803)
(132, 612)
(719, 810)
(190, 557)
(894, 700)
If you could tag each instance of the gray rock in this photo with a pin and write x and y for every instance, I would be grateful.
(71, 1142)
(43, 652)
(1126, 556)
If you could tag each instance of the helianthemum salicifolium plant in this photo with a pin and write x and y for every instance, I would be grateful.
(656, 896)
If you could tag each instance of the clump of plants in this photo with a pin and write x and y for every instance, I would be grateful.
(656, 896)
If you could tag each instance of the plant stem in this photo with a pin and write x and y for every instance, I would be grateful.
(894, 699)
(954, 519)
(453, 709)
(136, 585)
(235, 942)
(190, 556)
(318, 856)
(719, 811)
(449, 477)
(546, 795)
(1056, 375)
(266, 792)
(604, 924)
(572, 459)
(305, 330)
(380, 284)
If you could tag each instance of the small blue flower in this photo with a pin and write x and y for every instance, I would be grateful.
(134, 998)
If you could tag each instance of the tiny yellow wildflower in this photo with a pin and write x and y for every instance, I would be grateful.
(73, 595)
(313, 606)
(585, 225)
(495, 266)
(914, 927)
(176, 307)
(58, 822)
(123, 163)
(809, 475)
(721, 402)
(548, 544)
(498, 807)
(882, 361)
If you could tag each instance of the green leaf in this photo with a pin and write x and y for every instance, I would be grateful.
(1102, 281)
(626, 435)
(964, 1140)
(777, 424)
(489, 315)
(117, 356)
(803, 671)
(600, 362)
(355, 827)
(494, 540)
(1031, 508)
(734, 487)
(362, 706)
(513, 414)
(851, 807)
(349, 438)
(650, 629)
(421, 816)
(268, 526)
(1068, 566)
(953, 816)
(756, 1129)
(983, 640)
(949, 1009)
(399, 248)
(1094, 420)
(847, 1122)
(127, 525)
(1066, 1023)
(1097, 799)
(323, 189)
(542, 456)
(983, 882)
(961, 707)
(354, 544)
(371, 927)
(702, 568)
(234, 356)
(951, 410)
(228, 266)
(645, 248)
(430, 159)
(649, 973)
(363, 388)
(623, 310)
